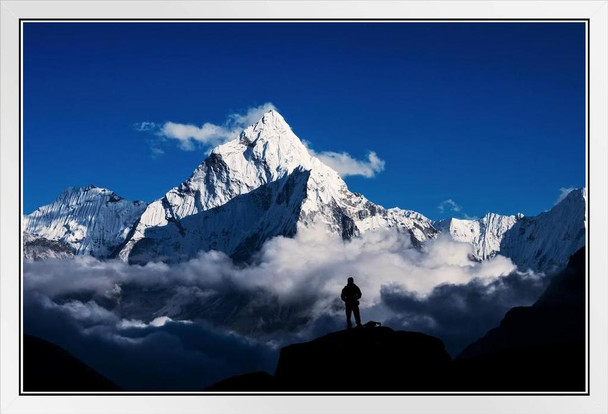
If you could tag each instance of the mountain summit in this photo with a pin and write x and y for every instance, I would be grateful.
(260, 185)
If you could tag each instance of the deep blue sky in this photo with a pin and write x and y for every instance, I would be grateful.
(490, 115)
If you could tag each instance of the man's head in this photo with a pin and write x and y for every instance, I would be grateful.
(350, 281)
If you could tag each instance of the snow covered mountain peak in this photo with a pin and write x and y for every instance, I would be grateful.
(270, 127)
(268, 149)
(265, 167)
(264, 152)
(90, 220)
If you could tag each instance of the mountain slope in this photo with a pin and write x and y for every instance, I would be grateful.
(238, 227)
(546, 241)
(259, 160)
(39, 248)
(541, 243)
(48, 367)
(90, 220)
(535, 348)
(484, 234)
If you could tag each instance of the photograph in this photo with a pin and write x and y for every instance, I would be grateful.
(304, 207)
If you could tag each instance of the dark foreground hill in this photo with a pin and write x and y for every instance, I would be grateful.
(535, 349)
(371, 359)
(359, 359)
(48, 367)
(539, 347)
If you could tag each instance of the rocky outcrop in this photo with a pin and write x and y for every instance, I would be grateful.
(39, 248)
(364, 359)
(358, 359)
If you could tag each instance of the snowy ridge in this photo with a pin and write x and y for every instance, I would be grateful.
(485, 234)
(238, 228)
(546, 241)
(90, 220)
(541, 243)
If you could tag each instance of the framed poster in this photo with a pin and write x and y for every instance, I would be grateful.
(303, 205)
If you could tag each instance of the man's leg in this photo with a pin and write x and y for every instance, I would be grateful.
(357, 316)
(348, 313)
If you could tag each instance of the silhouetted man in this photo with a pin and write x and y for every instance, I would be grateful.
(351, 295)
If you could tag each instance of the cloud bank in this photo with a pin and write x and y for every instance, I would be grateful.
(197, 322)
(164, 355)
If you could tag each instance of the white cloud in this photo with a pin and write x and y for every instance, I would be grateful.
(145, 126)
(563, 193)
(346, 165)
(89, 312)
(449, 205)
(253, 114)
(189, 136)
(156, 151)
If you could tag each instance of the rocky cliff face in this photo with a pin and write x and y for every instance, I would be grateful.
(39, 248)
